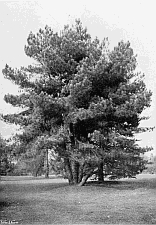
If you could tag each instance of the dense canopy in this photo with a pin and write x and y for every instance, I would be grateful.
(81, 101)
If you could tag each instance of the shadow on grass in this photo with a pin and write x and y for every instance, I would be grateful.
(41, 186)
(27, 178)
(124, 185)
(31, 188)
(3, 205)
(49, 187)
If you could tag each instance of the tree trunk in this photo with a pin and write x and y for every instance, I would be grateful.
(47, 165)
(80, 173)
(89, 172)
(35, 174)
(100, 173)
(84, 180)
(75, 171)
(68, 170)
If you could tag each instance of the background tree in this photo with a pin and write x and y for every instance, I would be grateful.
(85, 100)
(6, 164)
(151, 165)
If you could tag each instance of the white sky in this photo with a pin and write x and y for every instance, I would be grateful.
(132, 20)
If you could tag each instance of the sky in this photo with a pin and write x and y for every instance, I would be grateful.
(128, 20)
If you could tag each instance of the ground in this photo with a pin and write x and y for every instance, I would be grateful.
(28, 200)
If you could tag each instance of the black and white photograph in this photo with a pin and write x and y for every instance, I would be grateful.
(77, 112)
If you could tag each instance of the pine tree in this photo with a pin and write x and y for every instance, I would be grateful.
(81, 100)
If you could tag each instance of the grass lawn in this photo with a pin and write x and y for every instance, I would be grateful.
(28, 200)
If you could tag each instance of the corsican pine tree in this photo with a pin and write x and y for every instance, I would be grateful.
(81, 100)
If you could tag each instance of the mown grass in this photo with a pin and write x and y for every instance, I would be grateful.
(32, 201)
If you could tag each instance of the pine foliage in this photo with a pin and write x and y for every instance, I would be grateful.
(81, 100)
